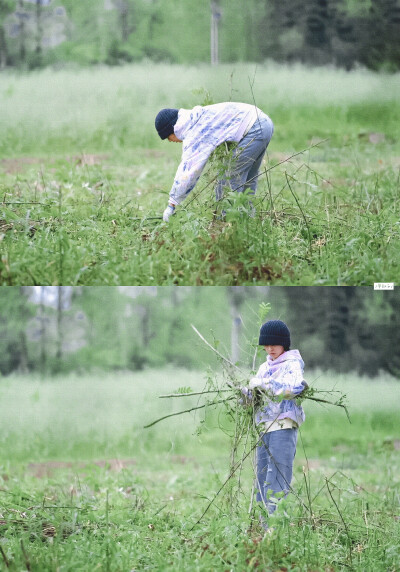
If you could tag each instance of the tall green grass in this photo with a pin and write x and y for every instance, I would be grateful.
(63, 509)
(97, 109)
(84, 179)
(81, 417)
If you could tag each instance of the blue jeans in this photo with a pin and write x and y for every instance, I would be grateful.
(275, 456)
(242, 172)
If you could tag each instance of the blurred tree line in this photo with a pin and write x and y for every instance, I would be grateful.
(35, 33)
(59, 329)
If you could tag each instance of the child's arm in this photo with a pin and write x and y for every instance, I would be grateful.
(290, 384)
(189, 171)
(247, 397)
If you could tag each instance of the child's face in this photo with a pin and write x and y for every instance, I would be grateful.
(274, 351)
(174, 138)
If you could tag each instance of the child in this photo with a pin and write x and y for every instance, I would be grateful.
(277, 382)
(201, 130)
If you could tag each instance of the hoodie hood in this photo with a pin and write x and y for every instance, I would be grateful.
(187, 118)
(290, 355)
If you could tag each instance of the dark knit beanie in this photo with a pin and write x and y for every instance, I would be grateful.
(165, 121)
(274, 333)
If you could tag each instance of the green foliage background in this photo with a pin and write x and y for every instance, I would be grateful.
(117, 329)
(339, 32)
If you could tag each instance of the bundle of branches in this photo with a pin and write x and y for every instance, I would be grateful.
(226, 391)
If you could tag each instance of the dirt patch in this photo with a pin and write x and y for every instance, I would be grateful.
(373, 138)
(5, 226)
(262, 272)
(12, 166)
(341, 448)
(20, 164)
(88, 160)
(181, 459)
(47, 469)
(155, 153)
(395, 161)
(279, 156)
(311, 464)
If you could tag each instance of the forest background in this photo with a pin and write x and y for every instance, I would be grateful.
(62, 329)
(36, 33)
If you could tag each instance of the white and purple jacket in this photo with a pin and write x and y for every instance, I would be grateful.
(202, 129)
(281, 380)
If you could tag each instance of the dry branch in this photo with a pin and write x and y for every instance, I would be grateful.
(192, 393)
(264, 172)
(342, 519)
(319, 400)
(188, 411)
(27, 563)
(6, 562)
(224, 359)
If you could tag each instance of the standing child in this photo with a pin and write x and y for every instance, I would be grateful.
(201, 130)
(277, 382)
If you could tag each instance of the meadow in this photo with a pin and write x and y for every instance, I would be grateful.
(84, 487)
(84, 179)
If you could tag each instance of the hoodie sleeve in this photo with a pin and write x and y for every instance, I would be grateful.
(290, 383)
(288, 386)
(189, 171)
(259, 381)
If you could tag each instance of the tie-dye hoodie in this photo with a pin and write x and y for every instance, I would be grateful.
(280, 380)
(202, 129)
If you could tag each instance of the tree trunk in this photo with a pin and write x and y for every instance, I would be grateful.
(236, 296)
(22, 47)
(215, 18)
(123, 13)
(124, 21)
(235, 334)
(23, 356)
(39, 28)
(59, 328)
(175, 320)
(43, 356)
(146, 333)
(3, 49)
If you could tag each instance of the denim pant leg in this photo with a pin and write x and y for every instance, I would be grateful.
(247, 158)
(275, 456)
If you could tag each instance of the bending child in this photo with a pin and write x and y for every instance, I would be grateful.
(201, 130)
(277, 382)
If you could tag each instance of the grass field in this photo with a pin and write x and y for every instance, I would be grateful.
(83, 173)
(84, 487)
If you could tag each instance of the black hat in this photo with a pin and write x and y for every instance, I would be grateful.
(274, 333)
(165, 121)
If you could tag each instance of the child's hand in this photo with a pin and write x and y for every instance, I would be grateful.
(169, 211)
(299, 398)
(255, 382)
(247, 398)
